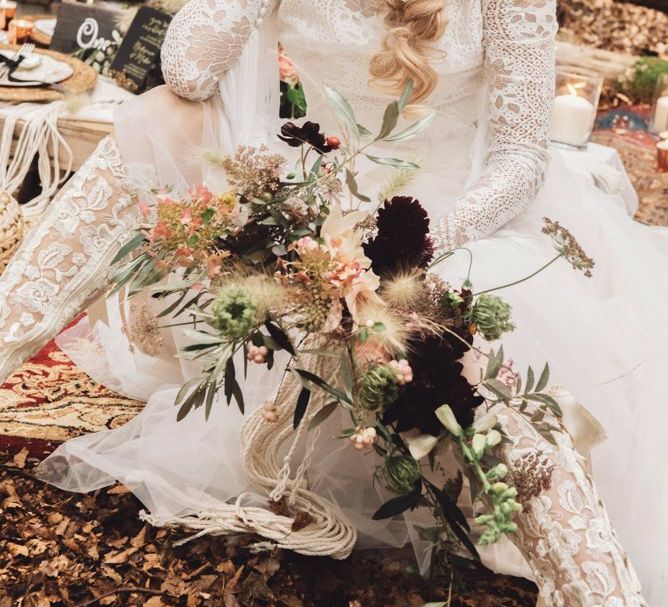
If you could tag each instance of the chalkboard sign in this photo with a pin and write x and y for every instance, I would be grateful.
(82, 29)
(138, 57)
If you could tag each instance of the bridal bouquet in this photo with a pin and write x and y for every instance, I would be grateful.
(284, 260)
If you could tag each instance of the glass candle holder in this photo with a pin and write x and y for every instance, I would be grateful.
(662, 155)
(7, 12)
(659, 120)
(577, 94)
(20, 30)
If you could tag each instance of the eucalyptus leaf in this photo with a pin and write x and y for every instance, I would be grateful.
(393, 162)
(530, 380)
(239, 397)
(185, 388)
(323, 414)
(342, 108)
(395, 506)
(413, 129)
(494, 364)
(406, 95)
(210, 395)
(390, 119)
(230, 378)
(279, 336)
(302, 403)
(544, 378)
(546, 399)
(175, 304)
(136, 241)
(351, 182)
(321, 383)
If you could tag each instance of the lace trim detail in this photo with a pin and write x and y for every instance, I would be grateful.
(64, 262)
(519, 62)
(204, 40)
(564, 531)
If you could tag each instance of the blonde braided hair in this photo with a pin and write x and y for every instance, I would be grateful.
(413, 26)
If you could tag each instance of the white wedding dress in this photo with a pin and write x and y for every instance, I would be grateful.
(487, 179)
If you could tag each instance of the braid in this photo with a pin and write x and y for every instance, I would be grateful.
(413, 25)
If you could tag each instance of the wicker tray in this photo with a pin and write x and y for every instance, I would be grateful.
(81, 81)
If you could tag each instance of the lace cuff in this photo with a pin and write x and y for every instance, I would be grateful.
(204, 40)
(519, 45)
(64, 262)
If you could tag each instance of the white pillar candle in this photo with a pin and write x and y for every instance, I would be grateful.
(572, 119)
(661, 114)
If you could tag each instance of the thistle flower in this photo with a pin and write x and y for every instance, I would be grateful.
(401, 474)
(566, 244)
(491, 316)
(234, 312)
(378, 388)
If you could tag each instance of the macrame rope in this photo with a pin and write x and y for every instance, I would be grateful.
(328, 532)
(38, 136)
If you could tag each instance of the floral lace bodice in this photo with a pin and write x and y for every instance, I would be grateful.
(496, 66)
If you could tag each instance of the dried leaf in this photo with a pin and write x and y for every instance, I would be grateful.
(20, 458)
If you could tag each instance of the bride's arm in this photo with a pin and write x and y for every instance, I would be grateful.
(204, 40)
(519, 61)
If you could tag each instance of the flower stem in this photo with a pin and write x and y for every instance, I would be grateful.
(521, 280)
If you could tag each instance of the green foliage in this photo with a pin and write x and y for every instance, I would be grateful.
(640, 82)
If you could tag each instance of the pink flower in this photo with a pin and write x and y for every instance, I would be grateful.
(203, 194)
(161, 230)
(187, 216)
(344, 275)
(144, 209)
(305, 244)
(286, 69)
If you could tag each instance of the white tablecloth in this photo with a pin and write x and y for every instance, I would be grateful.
(604, 167)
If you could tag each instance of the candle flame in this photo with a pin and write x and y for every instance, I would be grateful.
(571, 89)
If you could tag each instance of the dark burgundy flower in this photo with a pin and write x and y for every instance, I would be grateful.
(403, 240)
(437, 381)
(308, 133)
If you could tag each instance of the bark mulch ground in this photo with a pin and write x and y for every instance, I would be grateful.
(60, 549)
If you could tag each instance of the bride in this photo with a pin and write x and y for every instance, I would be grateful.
(487, 179)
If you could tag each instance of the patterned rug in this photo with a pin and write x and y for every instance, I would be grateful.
(50, 400)
(625, 130)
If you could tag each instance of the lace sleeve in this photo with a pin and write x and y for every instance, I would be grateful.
(204, 40)
(519, 61)
(64, 262)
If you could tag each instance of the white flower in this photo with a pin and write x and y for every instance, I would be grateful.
(485, 422)
(448, 419)
(479, 443)
(421, 445)
(493, 438)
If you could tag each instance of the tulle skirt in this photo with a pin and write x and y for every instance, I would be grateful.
(605, 337)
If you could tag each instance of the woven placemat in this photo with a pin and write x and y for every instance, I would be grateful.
(81, 81)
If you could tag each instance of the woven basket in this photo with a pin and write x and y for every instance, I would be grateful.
(11, 228)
